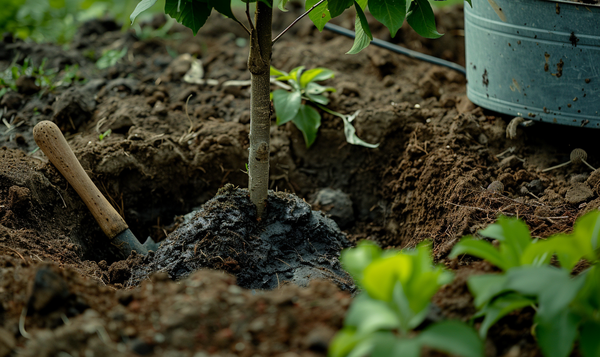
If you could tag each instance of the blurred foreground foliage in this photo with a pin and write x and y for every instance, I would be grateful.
(57, 20)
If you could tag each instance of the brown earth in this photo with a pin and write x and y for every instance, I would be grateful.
(428, 180)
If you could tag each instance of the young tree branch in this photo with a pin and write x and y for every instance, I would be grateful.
(244, 26)
(298, 19)
(248, 16)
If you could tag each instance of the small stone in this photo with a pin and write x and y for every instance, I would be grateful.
(336, 204)
(535, 186)
(160, 109)
(496, 187)
(349, 89)
(49, 291)
(579, 178)
(483, 139)
(26, 85)
(11, 100)
(73, 108)
(579, 193)
(511, 161)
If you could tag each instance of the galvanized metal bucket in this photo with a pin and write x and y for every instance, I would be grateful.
(539, 59)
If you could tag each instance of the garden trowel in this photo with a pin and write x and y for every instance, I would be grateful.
(52, 142)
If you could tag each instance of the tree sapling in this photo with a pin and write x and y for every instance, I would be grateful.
(194, 13)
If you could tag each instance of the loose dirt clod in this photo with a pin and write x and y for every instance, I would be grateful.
(291, 243)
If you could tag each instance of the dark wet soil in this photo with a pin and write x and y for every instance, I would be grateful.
(290, 243)
(428, 179)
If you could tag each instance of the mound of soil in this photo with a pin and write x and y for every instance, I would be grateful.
(169, 153)
(290, 243)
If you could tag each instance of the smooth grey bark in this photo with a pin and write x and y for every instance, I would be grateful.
(259, 64)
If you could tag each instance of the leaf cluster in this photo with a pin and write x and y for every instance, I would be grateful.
(567, 307)
(391, 13)
(289, 105)
(397, 290)
(296, 103)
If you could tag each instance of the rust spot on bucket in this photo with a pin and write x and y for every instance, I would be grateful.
(559, 69)
(484, 78)
(573, 39)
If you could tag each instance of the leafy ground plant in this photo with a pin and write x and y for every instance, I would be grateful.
(46, 79)
(567, 307)
(194, 13)
(296, 103)
(397, 290)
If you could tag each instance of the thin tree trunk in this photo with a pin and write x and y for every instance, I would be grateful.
(259, 64)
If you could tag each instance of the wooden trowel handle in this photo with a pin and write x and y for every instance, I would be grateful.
(52, 142)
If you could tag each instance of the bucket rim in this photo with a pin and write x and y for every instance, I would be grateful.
(573, 3)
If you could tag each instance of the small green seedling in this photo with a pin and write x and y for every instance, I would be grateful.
(110, 58)
(46, 79)
(104, 135)
(566, 307)
(397, 291)
(297, 103)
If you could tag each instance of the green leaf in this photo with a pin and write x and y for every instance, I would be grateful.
(141, 7)
(480, 249)
(223, 7)
(538, 253)
(355, 260)
(276, 72)
(587, 232)
(314, 88)
(336, 7)
(408, 317)
(569, 250)
(499, 308)
(485, 287)
(343, 342)
(553, 287)
(281, 5)
(192, 14)
(292, 77)
(380, 276)
(308, 121)
(369, 315)
(422, 20)
(349, 130)
(391, 13)
(587, 301)
(363, 36)
(556, 337)
(386, 345)
(315, 75)
(287, 104)
(589, 341)
(452, 337)
(320, 15)
(317, 98)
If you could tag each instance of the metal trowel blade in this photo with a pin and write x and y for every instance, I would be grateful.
(150, 244)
